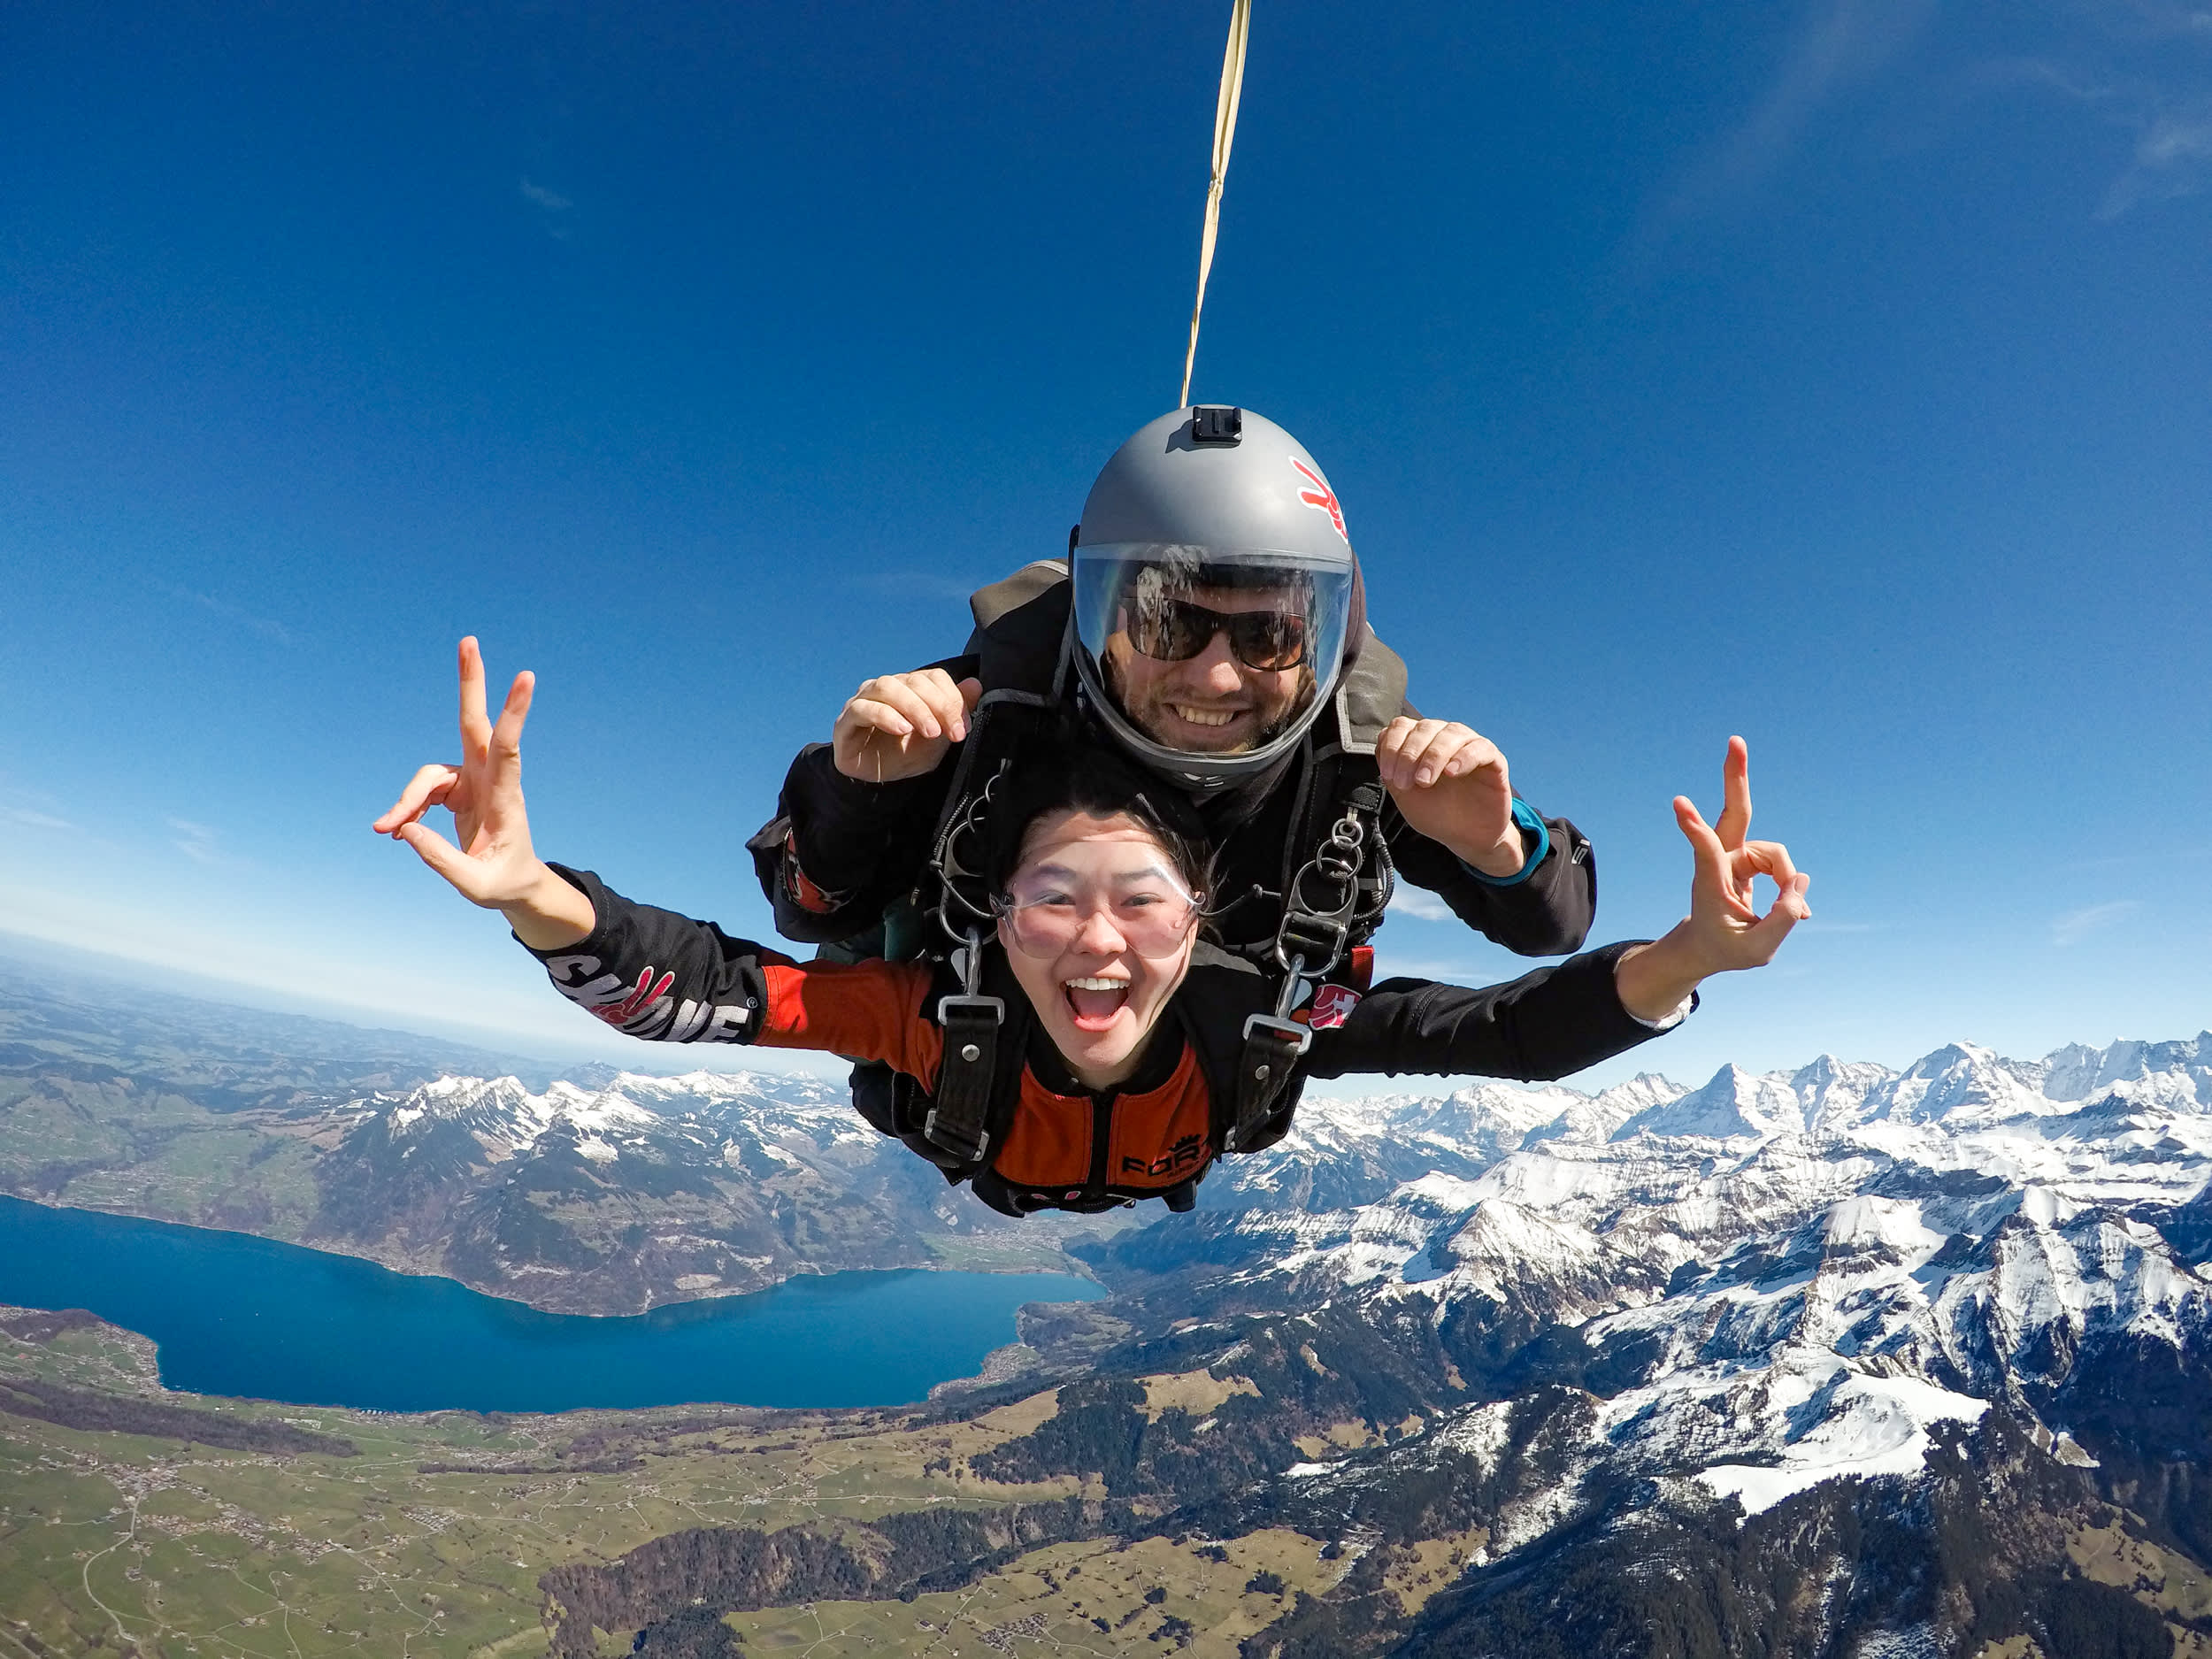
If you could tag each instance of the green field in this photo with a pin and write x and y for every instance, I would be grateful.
(126, 1542)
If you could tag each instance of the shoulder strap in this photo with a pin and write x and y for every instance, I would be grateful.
(1247, 1051)
(986, 1038)
(1371, 696)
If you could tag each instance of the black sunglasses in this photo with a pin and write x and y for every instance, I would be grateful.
(1175, 630)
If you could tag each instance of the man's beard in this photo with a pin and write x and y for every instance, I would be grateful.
(1271, 727)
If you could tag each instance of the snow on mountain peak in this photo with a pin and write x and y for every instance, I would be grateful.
(1735, 1102)
(503, 1117)
(1867, 1424)
(2079, 1073)
(1893, 1225)
(1785, 1277)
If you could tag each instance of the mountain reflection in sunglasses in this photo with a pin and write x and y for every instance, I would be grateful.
(1047, 908)
(1176, 630)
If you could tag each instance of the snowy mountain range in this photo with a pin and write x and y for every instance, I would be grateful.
(642, 1191)
(1619, 1314)
(1810, 1270)
(1793, 1276)
(1847, 1361)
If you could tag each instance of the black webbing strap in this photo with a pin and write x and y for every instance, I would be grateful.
(958, 1121)
(1271, 1048)
(955, 1124)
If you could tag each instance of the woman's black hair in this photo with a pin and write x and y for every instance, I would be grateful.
(1102, 783)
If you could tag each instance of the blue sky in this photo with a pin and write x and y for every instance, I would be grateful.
(1837, 373)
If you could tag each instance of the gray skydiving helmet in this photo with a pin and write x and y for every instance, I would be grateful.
(1214, 590)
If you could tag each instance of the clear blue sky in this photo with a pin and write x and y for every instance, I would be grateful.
(1837, 373)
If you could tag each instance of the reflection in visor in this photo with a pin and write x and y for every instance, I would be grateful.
(1217, 654)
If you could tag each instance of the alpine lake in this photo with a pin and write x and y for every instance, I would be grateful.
(233, 1314)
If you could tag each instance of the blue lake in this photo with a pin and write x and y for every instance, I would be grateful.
(237, 1315)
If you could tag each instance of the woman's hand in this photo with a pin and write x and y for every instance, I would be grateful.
(1724, 931)
(493, 865)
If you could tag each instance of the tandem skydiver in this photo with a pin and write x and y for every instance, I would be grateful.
(1120, 1073)
(1208, 621)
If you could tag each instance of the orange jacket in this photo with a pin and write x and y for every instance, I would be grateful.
(667, 977)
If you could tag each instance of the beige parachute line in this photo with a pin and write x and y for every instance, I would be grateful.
(1225, 134)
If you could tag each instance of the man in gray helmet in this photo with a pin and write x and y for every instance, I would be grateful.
(1211, 618)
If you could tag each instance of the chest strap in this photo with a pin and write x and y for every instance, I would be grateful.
(959, 1122)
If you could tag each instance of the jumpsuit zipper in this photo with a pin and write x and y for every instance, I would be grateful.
(1101, 1136)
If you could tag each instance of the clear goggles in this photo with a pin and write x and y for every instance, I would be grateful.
(1052, 907)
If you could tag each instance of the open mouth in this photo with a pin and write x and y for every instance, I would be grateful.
(1191, 714)
(1094, 1000)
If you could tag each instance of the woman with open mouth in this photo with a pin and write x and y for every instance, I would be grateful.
(1122, 1031)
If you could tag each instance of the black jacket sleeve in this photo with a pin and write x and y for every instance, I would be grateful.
(653, 974)
(1545, 1024)
(1546, 914)
(837, 852)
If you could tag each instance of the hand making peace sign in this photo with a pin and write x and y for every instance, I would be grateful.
(1729, 930)
(494, 864)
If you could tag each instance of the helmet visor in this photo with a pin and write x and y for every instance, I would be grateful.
(1209, 650)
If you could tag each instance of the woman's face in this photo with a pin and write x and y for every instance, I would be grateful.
(1099, 936)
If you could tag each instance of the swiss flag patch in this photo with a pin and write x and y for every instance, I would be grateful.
(1333, 1005)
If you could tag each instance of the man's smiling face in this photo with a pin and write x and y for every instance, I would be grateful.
(1211, 704)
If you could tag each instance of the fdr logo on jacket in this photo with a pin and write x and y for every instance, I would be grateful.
(1186, 1153)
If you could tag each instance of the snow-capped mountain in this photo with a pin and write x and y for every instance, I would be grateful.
(643, 1191)
(1809, 1269)
(1596, 1309)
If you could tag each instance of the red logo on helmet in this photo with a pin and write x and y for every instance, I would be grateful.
(1321, 497)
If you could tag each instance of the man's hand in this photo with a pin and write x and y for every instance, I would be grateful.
(1450, 785)
(899, 726)
(1724, 931)
(493, 865)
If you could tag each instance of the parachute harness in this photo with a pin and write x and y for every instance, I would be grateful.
(1332, 900)
(1322, 908)
(970, 1020)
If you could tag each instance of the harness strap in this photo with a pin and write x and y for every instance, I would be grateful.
(1271, 1048)
(957, 1122)
(1333, 902)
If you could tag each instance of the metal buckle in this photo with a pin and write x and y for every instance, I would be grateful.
(1299, 1037)
(1308, 937)
(930, 1133)
(995, 1005)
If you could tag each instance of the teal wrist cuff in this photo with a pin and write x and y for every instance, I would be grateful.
(1531, 823)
